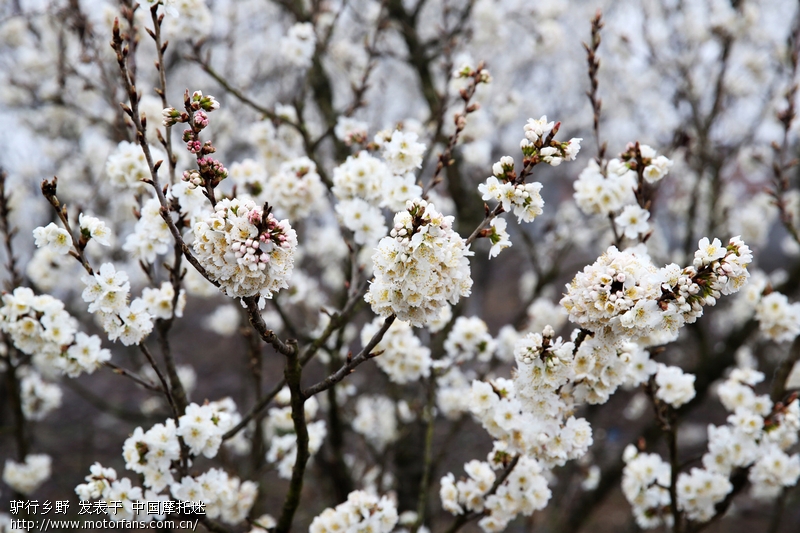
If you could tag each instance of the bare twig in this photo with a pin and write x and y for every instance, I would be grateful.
(352, 362)
(476, 77)
(164, 384)
(161, 48)
(134, 377)
(593, 63)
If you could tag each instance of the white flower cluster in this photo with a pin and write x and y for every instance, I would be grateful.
(600, 368)
(539, 141)
(107, 290)
(674, 386)
(102, 483)
(350, 130)
(296, 190)
(127, 168)
(279, 432)
(151, 454)
(633, 221)
(376, 420)
(202, 426)
(523, 199)
(645, 482)
(619, 292)
(191, 199)
(700, 491)
(399, 189)
(524, 491)
(247, 250)
(756, 438)
(151, 236)
(225, 497)
(599, 193)
(403, 356)
(85, 355)
(773, 471)
(540, 426)
(275, 144)
(361, 512)
(250, 177)
(94, 228)
(28, 476)
(453, 392)
(298, 45)
(537, 129)
(361, 176)
(368, 178)
(604, 190)
(469, 339)
(623, 295)
(107, 293)
(38, 396)
(655, 166)
(47, 267)
(777, 318)
(53, 237)
(39, 326)
(498, 237)
(363, 219)
(401, 151)
(757, 432)
(159, 301)
(363, 184)
(544, 366)
(420, 267)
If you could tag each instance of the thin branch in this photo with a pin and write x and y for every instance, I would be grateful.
(257, 408)
(352, 362)
(476, 77)
(161, 48)
(132, 376)
(163, 381)
(308, 144)
(594, 66)
(101, 404)
(337, 321)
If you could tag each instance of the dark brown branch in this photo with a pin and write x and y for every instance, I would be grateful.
(292, 375)
(352, 362)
